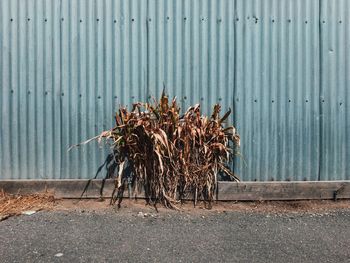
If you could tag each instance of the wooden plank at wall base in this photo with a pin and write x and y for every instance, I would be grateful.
(60, 188)
(227, 191)
(250, 191)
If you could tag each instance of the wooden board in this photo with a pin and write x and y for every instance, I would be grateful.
(227, 191)
(283, 190)
(60, 188)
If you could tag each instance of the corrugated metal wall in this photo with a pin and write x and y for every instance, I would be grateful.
(277, 88)
(335, 89)
(66, 65)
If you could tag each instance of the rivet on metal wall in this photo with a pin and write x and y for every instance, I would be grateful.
(80, 20)
(305, 22)
(289, 20)
(28, 91)
(202, 19)
(185, 97)
(62, 19)
(272, 101)
(340, 22)
(219, 20)
(28, 19)
(255, 100)
(185, 18)
(62, 94)
(202, 99)
(115, 21)
(12, 91)
(237, 99)
(289, 100)
(133, 97)
(220, 99)
(273, 20)
(132, 19)
(46, 92)
(306, 100)
(45, 19)
(323, 21)
(99, 97)
(97, 19)
(115, 97)
(322, 100)
(80, 95)
(167, 18)
(11, 19)
(237, 19)
(149, 19)
(340, 103)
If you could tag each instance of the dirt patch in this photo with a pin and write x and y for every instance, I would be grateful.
(11, 205)
(305, 206)
(308, 206)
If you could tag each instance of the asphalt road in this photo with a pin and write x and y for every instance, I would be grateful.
(126, 236)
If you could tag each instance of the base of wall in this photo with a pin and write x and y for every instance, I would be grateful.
(250, 191)
(227, 191)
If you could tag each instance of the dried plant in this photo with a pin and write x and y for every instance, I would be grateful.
(170, 156)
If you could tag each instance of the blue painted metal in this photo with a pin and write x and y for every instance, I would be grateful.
(277, 89)
(66, 65)
(335, 92)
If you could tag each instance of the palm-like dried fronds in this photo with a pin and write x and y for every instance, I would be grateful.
(171, 155)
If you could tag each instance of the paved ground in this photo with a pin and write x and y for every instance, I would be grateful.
(128, 235)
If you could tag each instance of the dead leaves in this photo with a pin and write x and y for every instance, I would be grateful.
(172, 156)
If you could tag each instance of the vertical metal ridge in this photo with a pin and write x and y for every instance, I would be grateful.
(11, 151)
(39, 90)
(1, 90)
(90, 128)
(61, 91)
(320, 36)
(26, 120)
(3, 166)
(346, 108)
(79, 125)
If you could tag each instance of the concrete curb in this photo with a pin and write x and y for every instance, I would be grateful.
(227, 191)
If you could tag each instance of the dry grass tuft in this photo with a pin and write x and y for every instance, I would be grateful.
(169, 155)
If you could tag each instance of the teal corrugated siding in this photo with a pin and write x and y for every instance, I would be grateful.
(335, 89)
(282, 65)
(277, 89)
